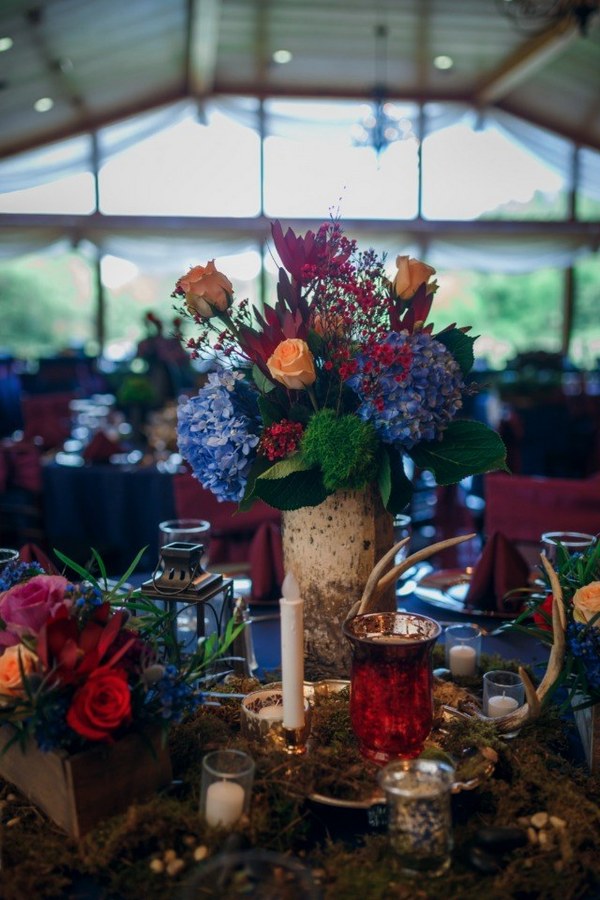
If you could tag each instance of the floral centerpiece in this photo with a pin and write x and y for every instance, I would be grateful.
(82, 667)
(324, 395)
(579, 678)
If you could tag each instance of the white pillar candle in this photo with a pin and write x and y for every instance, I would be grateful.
(463, 659)
(270, 713)
(224, 803)
(292, 653)
(501, 705)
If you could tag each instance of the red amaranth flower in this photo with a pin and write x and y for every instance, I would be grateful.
(281, 439)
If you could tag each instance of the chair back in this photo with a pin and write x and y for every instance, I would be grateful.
(522, 507)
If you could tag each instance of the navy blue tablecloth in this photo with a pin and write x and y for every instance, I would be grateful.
(115, 509)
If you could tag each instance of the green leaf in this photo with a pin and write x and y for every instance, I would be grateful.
(402, 489)
(260, 465)
(384, 477)
(460, 346)
(271, 411)
(83, 573)
(264, 384)
(294, 463)
(299, 413)
(468, 448)
(316, 344)
(300, 488)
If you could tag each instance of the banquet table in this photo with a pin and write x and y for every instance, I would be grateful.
(114, 508)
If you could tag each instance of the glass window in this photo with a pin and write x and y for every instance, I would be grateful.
(510, 313)
(132, 291)
(585, 340)
(53, 179)
(473, 169)
(197, 167)
(64, 305)
(588, 199)
(314, 168)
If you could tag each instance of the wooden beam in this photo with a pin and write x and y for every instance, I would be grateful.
(524, 62)
(203, 31)
(96, 225)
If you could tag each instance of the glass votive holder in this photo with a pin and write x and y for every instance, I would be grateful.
(571, 541)
(7, 555)
(402, 529)
(186, 531)
(463, 649)
(261, 874)
(226, 788)
(261, 721)
(503, 693)
(419, 814)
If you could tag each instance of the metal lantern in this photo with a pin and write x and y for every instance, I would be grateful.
(184, 586)
(181, 583)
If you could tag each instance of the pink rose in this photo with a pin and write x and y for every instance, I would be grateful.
(25, 608)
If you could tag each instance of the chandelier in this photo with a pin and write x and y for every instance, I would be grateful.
(382, 124)
(532, 14)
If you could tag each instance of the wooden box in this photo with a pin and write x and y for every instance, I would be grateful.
(588, 725)
(78, 791)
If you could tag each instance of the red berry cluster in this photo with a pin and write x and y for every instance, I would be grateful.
(281, 439)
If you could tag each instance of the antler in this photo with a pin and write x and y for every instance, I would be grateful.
(532, 707)
(378, 582)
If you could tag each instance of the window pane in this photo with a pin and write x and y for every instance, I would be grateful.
(61, 315)
(190, 169)
(511, 313)
(312, 167)
(471, 172)
(585, 341)
(131, 293)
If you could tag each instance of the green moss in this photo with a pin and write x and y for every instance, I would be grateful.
(344, 447)
(532, 774)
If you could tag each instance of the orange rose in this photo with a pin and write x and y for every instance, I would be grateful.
(293, 364)
(206, 290)
(10, 672)
(411, 274)
(586, 603)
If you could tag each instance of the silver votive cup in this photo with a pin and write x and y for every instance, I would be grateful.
(261, 721)
(419, 816)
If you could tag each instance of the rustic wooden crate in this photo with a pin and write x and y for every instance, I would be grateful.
(78, 791)
(588, 725)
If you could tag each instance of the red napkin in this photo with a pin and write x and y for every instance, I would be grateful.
(501, 568)
(266, 563)
(101, 448)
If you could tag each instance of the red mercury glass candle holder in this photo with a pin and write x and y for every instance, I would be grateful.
(391, 694)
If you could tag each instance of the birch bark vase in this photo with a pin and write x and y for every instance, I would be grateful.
(331, 549)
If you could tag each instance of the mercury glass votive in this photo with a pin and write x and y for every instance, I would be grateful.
(419, 815)
(261, 721)
(391, 696)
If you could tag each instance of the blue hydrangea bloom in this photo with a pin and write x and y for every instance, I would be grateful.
(418, 407)
(18, 571)
(217, 433)
(174, 695)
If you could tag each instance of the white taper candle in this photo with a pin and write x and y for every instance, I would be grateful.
(292, 653)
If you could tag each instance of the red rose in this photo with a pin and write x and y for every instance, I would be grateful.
(543, 613)
(101, 705)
